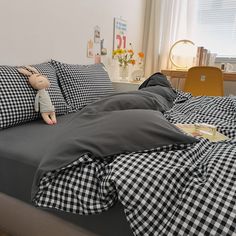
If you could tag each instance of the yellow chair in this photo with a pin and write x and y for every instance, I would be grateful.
(204, 80)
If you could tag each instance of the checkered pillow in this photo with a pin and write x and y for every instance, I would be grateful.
(17, 96)
(82, 84)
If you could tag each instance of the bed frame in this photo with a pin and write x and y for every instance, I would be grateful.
(20, 218)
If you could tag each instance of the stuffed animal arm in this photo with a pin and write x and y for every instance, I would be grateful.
(42, 100)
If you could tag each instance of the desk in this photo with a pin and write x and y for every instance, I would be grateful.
(182, 74)
(227, 76)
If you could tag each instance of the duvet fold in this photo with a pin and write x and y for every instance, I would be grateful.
(112, 126)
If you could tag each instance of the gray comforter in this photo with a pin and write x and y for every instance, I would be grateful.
(120, 123)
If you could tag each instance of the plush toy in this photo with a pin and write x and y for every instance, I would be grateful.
(42, 101)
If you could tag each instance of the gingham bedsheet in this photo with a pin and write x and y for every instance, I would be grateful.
(174, 190)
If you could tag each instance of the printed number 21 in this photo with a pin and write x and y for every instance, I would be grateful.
(121, 40)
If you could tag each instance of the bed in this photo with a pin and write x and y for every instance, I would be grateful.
(169, 184)
(17, 170)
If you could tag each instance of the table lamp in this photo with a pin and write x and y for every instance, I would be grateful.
(182, 54)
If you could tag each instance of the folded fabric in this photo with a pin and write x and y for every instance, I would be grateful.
(103, 130)
(159, 84)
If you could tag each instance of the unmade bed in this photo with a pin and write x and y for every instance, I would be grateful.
(124, 150)
(19, 164)
(173, 190)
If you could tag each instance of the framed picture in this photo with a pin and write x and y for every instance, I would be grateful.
(90, 52)
(96, 34)
(120, 33)
(103, 49)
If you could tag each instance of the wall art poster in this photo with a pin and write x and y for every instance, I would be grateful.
(90, 52)
(120, 33)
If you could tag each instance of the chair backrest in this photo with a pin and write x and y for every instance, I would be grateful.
(204, 80)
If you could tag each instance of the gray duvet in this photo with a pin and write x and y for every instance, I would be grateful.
(112, 126)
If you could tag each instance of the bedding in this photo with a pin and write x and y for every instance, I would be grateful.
(17, 96)
(21, 149)
(82, 84)
(186, 189)
(158, 84)
(103, 129)
(19, 164)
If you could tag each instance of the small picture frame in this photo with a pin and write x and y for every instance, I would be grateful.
(103, 49)
(90, 51)
(97, 34)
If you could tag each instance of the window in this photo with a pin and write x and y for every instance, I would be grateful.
(215, 26)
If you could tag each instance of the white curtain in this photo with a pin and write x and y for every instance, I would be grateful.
(166, 21)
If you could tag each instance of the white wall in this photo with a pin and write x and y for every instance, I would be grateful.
(33, 31)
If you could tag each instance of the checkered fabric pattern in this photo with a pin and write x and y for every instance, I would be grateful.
(173, 190)
(82, 84)
(219, 111)
(17, 97)
(182, 96)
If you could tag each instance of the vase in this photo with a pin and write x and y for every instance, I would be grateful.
(124, 73)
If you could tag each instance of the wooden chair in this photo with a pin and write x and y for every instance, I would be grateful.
(204, 80)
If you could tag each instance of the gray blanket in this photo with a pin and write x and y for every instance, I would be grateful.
(111, 126)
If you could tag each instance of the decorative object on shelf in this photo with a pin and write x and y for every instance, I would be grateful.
(204, 57)
(97, 59)
(126, 57)
(124, 72)
(140, 60)
(229, 67)
(182, 54)
(137, 75)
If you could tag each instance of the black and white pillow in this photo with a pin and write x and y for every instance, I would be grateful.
(17, 96)
(82, 84)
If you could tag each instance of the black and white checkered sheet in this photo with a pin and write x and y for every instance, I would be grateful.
(174, 190)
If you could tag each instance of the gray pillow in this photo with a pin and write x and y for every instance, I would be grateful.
(126, 131)
(129, 100)
(166, 92)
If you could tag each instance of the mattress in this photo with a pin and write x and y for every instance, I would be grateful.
(21, 150)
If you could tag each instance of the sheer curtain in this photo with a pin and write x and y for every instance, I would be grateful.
(166, 21)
